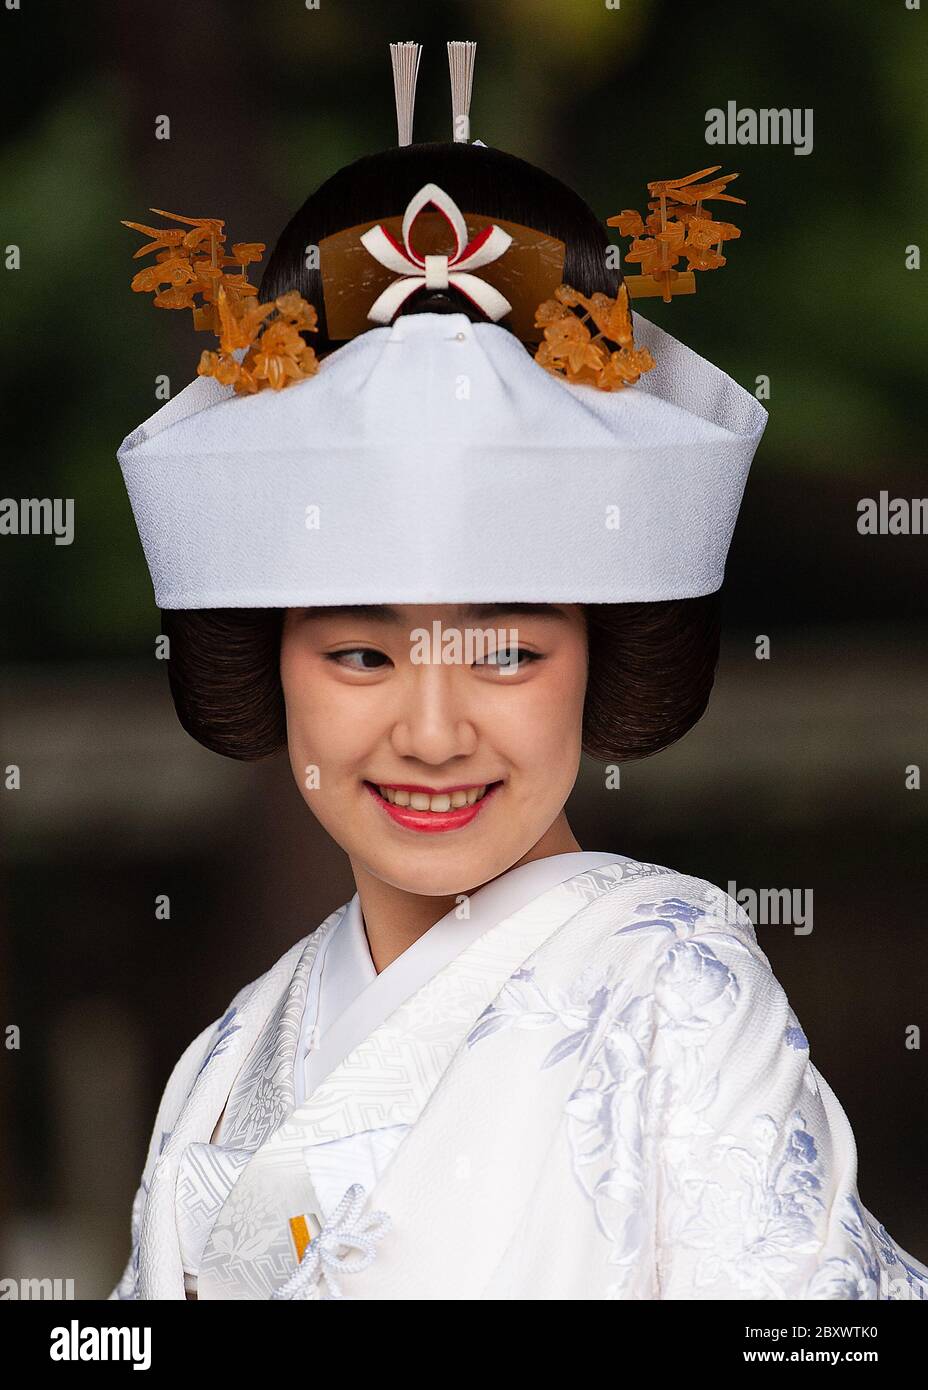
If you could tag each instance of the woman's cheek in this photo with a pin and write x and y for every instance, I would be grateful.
(303, 744)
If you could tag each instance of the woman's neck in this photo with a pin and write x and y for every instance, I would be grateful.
(395, 918)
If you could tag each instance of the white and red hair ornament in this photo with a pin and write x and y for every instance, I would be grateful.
(437, 272)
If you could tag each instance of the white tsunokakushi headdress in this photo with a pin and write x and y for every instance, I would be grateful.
(432, 459)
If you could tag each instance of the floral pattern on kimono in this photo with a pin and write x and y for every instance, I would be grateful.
(698, 1071)
(658, 1081)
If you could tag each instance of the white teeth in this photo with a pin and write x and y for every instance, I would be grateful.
(439, 801)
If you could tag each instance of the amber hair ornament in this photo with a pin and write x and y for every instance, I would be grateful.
(260, 345)
(587, 339)
(596, 346)
(677, 227)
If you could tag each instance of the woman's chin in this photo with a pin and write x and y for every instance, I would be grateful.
(436, 871)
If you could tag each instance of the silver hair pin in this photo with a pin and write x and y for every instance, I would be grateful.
(405, 59)
(461, 67)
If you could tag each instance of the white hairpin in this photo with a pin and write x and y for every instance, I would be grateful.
(461, 67)
(405, 59)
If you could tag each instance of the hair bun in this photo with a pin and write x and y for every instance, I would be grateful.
(450, 301)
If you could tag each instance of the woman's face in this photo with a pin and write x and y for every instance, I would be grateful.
(435, 743)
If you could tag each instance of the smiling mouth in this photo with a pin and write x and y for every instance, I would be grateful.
(423, 799)
(432, 809)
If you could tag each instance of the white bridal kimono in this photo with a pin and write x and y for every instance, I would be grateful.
(590, 1087)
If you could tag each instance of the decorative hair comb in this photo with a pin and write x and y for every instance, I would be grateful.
(193, 266)
(676, 226)
(428, 249)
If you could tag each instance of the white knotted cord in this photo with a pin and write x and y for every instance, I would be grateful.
(323, 1258)
(418, 272)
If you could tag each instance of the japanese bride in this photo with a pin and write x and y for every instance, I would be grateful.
(438, 516)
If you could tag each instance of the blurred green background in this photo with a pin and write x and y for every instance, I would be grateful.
(796, 775)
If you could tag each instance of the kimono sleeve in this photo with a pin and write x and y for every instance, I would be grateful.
(756, 1164)
(173, 1096)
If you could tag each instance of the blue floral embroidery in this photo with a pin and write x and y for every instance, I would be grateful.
(913, 1281)
(521, 1004)
(746, 1209)
(669, 911)
(879, 1271)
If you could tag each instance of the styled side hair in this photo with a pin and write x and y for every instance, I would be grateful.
(224, 673)
(651, 671)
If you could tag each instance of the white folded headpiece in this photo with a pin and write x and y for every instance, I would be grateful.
(434, 461)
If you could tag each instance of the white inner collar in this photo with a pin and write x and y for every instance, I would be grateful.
(347, 999)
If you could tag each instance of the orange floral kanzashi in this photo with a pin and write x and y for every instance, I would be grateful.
(570, 350)
(677, 227)
(190, 273)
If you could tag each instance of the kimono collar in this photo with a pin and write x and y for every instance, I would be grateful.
(374, 997)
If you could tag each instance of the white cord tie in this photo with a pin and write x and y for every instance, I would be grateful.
(437, 272)
(324, 1259)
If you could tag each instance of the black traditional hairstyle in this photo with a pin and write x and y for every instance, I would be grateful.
(651, 665)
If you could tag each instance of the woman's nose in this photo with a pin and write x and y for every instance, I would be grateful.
(435, 723)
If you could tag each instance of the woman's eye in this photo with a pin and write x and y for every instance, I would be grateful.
(370, 659)
(509, 658)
